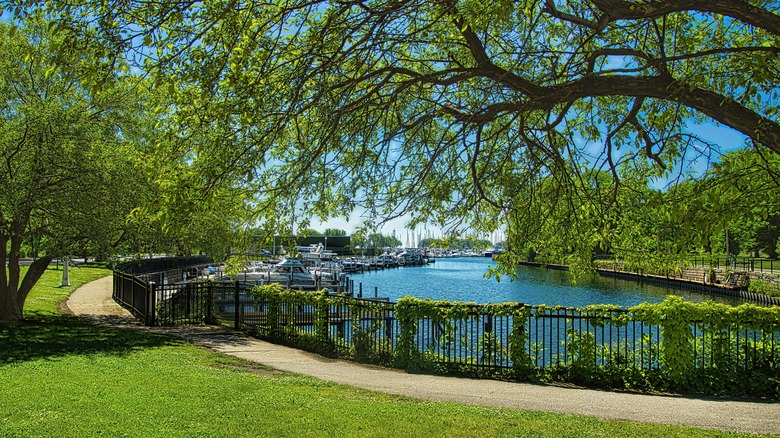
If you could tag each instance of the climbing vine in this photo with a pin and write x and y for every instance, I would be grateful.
(674, 345)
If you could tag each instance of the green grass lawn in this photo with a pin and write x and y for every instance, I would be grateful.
(60, 376)
(48, 294)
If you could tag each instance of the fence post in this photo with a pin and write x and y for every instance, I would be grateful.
(151, 303)
(326, 322)
(209, 303)
(237, 300)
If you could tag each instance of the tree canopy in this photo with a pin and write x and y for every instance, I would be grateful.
(472, 114)
(65, 176)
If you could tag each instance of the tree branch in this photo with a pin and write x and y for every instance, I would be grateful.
(739, 10)
(34, 273)
(718, 107)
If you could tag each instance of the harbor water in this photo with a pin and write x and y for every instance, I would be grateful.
(463, 279)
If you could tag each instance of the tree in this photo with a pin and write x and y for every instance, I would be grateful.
(448, 110)
(66, 170)
(768, 235)
(427, 242)
(380, 241)
(335, 232)
(739, 196)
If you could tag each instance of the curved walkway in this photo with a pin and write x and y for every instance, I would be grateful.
(93, 301)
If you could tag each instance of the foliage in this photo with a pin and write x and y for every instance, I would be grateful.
(283, 308)
(375, 240)
(182, 208)
(549, 120)
(458, 244)
(335, 232)
(681, 346)
(280, 316)
(66, 185)
(732, 209)
(764, 287)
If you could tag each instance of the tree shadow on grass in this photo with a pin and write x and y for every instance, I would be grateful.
(51, 336)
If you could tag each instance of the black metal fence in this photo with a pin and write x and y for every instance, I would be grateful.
(745, 264)
(135, 294)
(611, 346)
(147, 287)
(162, 264)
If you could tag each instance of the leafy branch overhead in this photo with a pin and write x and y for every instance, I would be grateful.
(466, 112)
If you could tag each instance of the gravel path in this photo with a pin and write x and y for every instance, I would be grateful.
(93, 301)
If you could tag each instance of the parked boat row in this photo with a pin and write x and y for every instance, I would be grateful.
(442, 254)
(386, 260)
(317, 268)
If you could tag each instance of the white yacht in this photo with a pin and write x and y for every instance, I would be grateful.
(287, 272)
(317, 253)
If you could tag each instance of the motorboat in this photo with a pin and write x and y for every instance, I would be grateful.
(290, 272)
(410, 258)
(317, 253)
(386, 260)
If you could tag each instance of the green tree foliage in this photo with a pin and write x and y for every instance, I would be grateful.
(377, 241)
(542, 118)
(736, 200)
(66, 173)
(427, 242)
(335, 232)
(185, 208)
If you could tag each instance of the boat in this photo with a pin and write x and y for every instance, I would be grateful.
(290, 272)
(316, 253)
(410, 258)
(386, 260)
(350, 265)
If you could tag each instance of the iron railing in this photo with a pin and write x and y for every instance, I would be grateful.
(746, 264)
(518, 340)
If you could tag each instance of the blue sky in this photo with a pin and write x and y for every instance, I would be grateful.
(727, 139)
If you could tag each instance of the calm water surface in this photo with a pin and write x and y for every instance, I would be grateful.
(461, 279)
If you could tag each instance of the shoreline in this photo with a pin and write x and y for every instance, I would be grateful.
(677, 283)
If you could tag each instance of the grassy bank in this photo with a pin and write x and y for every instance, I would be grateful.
(48, 292)
(60, 376)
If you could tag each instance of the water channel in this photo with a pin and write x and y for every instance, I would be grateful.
(462, 279)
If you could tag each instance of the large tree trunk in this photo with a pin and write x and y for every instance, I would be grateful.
(12, 298)
(9, 309)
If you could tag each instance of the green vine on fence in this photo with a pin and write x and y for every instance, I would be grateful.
(445, 314)
(719, 324)
(522, 363)
(279, 323)
(701, 347)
